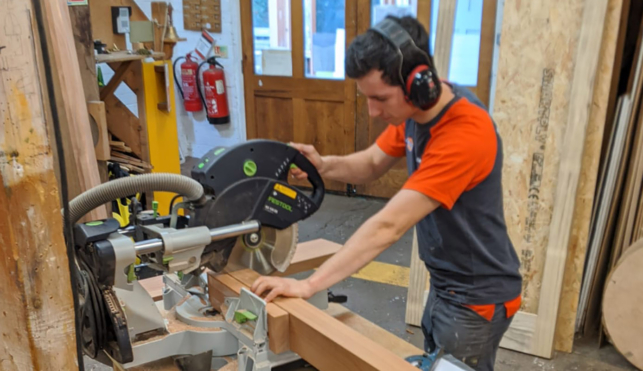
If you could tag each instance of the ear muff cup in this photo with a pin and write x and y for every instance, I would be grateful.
(421, 88)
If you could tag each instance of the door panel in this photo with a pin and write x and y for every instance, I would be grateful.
(275, 118)
(323, 126)
(392, 181)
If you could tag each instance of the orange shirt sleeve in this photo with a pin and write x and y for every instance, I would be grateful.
(460, 154)
(391, 141)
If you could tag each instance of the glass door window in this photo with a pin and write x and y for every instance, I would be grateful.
(272, 38)
(399, 8)
(324, 38)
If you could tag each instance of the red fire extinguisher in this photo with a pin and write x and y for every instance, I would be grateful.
(216, 98)
(188, 87)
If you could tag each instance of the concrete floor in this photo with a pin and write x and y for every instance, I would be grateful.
(385, 304)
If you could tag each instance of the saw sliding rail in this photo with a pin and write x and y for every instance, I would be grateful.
(234, 230)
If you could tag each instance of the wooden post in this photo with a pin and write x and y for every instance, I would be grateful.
(36, 306)
(80, 157)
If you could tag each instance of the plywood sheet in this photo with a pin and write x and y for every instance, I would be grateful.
(531, 112)
(564, 338)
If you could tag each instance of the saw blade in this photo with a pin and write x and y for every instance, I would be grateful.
(273, 250)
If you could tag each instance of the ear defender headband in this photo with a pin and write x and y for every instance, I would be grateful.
(422, 86)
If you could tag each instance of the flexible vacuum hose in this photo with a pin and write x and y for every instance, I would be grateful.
(112, 190)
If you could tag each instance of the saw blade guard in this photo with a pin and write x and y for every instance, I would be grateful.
(249, 182)
(222, 167)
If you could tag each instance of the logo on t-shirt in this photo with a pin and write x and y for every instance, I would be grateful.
(409, 144)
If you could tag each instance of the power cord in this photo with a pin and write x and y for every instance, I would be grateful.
(64, 189)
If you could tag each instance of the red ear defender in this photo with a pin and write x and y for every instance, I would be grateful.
(411, 77)
(421, 87)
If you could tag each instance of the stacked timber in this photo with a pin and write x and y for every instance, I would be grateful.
(122, 154)
(616, 228)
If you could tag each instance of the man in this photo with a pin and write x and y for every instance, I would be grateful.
(453, 195)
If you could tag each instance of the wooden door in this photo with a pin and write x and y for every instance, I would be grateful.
(289, 95)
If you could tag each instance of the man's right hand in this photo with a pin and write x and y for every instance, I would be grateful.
(312, 155)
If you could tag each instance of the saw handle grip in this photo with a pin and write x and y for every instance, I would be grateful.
(313, 177)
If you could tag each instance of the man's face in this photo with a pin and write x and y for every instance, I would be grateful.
(384, 101)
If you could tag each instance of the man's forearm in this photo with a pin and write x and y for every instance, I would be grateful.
(356, 168)
(367, 243)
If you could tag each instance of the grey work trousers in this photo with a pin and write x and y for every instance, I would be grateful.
(462, 332)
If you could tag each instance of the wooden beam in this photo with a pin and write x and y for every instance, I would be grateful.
(578, 243)
(444, 37)
(81, 27)
(36, 303)
(326, 343)
(159, 14)
(365, 327)
(418, 275)
(115, 81)
(70, 99)
(487, 45)
(97, 113)
(424, 14)
(582, 88)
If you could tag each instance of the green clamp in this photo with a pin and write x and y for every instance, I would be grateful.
(131, 275)
(155, 208)
(243, 315)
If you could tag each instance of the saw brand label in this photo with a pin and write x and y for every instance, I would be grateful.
(281, 204)
(286, 191)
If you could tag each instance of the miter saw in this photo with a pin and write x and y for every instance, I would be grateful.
(238, 211)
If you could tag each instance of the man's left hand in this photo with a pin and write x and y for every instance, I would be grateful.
(278, 286)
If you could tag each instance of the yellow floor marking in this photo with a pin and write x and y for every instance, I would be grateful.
(384, 273)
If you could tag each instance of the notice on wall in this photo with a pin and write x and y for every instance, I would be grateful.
(201, 15)
(76, 2)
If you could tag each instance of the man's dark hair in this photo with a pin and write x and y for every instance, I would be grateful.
(371, 50)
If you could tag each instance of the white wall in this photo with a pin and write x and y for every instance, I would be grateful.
(196, 135)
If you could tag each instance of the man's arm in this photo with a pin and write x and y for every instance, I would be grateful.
(357, 168)
(378, 233)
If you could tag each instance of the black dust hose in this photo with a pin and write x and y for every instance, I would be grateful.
(64, 189)
(198, 85)
(178, 84)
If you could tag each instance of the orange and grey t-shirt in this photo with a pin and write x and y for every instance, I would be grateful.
(456, 159)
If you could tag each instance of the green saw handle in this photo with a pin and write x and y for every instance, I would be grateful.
(313, 177)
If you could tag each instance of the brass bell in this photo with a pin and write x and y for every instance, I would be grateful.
(171, 35)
